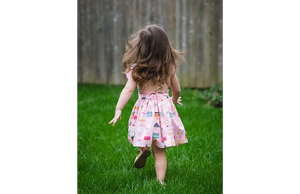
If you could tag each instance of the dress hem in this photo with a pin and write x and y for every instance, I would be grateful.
(159, 146)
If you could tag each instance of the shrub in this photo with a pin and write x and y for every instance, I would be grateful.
(214, 95)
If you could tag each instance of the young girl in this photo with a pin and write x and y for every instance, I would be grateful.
(150, 63)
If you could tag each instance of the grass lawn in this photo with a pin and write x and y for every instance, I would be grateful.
(105, 156)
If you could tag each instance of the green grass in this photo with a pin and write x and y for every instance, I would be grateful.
(105, 156)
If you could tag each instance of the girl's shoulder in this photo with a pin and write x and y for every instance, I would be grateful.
(129, 70)
(173, 71)
(132, 66)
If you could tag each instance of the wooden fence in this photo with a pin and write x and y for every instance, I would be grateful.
(194, 25)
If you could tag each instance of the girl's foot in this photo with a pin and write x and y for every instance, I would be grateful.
(162, 183)
(140, 160)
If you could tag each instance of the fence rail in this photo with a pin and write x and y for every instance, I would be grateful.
(194, 25)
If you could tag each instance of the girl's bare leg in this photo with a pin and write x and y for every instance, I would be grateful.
(160, 162)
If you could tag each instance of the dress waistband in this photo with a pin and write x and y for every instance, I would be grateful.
(164, 92)
(153, 95)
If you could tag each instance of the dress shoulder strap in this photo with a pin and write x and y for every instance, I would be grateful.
(145, 85)
(167, 83)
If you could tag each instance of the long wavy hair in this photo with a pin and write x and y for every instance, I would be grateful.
(151, 51)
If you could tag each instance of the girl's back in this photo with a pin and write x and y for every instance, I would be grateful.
(151, 86)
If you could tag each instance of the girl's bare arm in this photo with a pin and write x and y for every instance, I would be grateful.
(123, 99)
(175, 86)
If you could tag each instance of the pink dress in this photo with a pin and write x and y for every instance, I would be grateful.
(154, 116)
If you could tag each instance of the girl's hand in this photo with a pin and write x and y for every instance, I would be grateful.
(117, 117)
(178, 100)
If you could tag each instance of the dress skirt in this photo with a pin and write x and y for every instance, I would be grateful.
(154, 118)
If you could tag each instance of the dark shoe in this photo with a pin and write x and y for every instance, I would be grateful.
(140, 160)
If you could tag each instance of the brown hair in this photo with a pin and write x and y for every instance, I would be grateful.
(153, 54)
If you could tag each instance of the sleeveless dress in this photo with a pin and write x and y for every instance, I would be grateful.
(154, 118)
